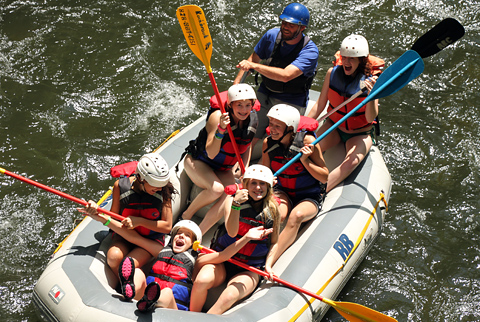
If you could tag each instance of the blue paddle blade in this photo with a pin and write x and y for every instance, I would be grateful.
(406, 68)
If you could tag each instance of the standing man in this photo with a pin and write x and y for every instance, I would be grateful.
(287, 61)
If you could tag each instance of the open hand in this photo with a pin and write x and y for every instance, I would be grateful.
(258, 233)
(90, 210)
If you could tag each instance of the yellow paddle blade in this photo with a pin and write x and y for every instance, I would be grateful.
(195, 29)
(354, 312)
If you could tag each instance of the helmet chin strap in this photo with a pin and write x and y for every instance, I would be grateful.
(299, 31)
(277, 142)
(285, 133)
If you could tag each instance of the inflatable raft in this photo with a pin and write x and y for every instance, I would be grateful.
(77, 285)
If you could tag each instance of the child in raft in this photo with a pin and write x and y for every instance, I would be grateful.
(250, 210)
(169, 282)
(354, 66)
(145, 200)
(211, 157)
(301, 187)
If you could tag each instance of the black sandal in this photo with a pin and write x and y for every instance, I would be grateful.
(150, 298)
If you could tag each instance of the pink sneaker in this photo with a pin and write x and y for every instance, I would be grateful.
(126, 272)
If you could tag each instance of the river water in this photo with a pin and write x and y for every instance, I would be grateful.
(86, 85)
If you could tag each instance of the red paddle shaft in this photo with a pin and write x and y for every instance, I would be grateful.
(61, 194)
(265, 274)
(229, 128)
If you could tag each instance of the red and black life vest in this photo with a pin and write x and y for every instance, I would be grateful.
(254, 253)
(295, 181)
(226, 158)
(342, 87)
(174, 271)
(141, 204)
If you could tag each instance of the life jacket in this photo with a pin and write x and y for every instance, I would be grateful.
(300, 84)
(141, 205)
(254, 253)
(295, 181)
(226, 158)
(342, 87)
(174, 271)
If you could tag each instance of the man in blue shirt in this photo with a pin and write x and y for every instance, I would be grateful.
(287, 61)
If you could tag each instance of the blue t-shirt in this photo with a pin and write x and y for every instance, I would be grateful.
(306, 61)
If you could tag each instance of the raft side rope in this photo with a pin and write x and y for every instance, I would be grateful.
(104, 197)
(357, 243)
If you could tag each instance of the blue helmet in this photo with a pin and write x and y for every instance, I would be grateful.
(296, 13)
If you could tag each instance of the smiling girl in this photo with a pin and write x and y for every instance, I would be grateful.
(211, 157)
(251, 228)
(301, 187)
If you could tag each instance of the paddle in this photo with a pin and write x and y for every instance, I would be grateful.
(195, 29)
(61, 194)
(442, 35)
(351, 311)
(399, 74)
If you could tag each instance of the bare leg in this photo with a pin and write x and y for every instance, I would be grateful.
(331, 139)
(357, 148)
(140, 283)
(140, 256)
(208, 277)
(284, 206)
(204, 177)
(238, 287)
(217, 211)
(167, 300)
(304, 211)
(117, 252)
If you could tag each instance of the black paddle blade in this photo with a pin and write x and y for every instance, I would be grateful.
(443, 34)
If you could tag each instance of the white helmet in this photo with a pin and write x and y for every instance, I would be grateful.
(239, 92)
(154, 169)
(259, 172)
(193, 227)
(286, 114)
(354, 46)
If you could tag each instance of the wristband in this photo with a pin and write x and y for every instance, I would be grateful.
(236, 203)
(219, 136)
(235, 207)
(108, 221)
(220, 128)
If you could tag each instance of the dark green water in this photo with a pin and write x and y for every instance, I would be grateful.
(86, 85)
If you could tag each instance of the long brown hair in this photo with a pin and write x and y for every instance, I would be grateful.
(167, 193)
(365, 65)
